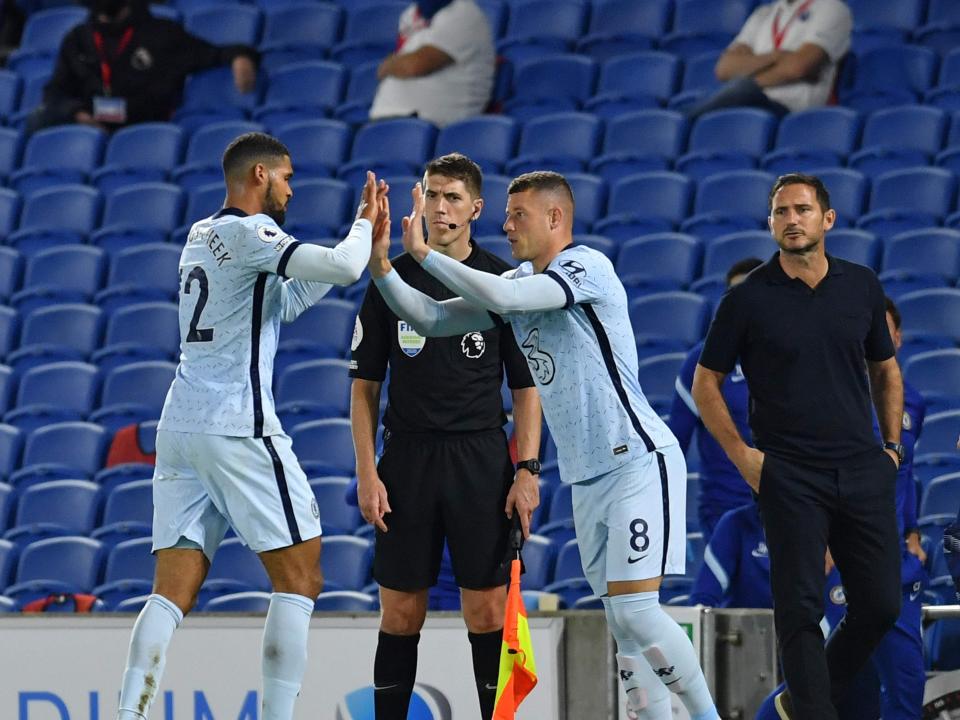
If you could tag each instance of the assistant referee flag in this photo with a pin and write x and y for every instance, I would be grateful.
(518, 671)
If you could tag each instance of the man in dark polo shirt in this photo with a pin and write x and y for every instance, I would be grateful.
(445, 471)
(810, 333)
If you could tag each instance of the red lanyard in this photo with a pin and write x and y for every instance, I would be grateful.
(106, 68)
(779, 34)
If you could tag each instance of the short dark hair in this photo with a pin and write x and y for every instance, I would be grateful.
(541, 180)
(249, 149)
(823, 197)
(894, 313)
(742, 267)
(459, 167)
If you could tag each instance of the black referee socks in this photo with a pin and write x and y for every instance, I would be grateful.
(486, 668)
(394, 673)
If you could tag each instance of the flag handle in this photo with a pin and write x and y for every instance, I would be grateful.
(516, 533)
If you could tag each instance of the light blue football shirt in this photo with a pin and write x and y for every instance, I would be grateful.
(584, 361)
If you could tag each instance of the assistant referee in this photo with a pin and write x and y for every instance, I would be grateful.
(445, 472)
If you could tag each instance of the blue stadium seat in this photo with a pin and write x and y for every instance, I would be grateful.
(857, 246)
(69, 273)
(897, 283)
(312, 390)
(318, 207)
(369, 33)
(9, 329)
(361, 88)
(946, 94)
(942, 492)
(701, 26)
(634, 82)
(299, 31)
(74, 447)
(67, 332)
(56, 216)
(11, 143)
(389, 147)
(60, 564)
(320, 146)
(721, 253)
(488, 140)
(251, 601)
(939, 434)
(729, 202)
(664, 261)
(848, 192)
(8, 561)
(909, 199)
(601, 244)
(56, 508)
(899, 14)
(560, 141)
(936, 374)
(9, 210)
(324, 447)
(139, 153)
(322, 331)
(495, 198)
(554, 83)
(942, 31)
(932, 465)
(11, 445)
(145, 212)
(225, 24)
(10, 88)
(127, 513)
(640, 141)
(539, 554)
(131, 560)
(932, 311)
(42, 34)
(568, 564)
(346, 562)
(728, 139)
(900, 137)
(210, 96)
(137, 332)
(58, 156)
(56, 392)
(235, 568)
(134, 392)
(145, 273)
(301, 91)
(676, 316)
(699, 80)
(496, 12)
(619, 27)
(658, 377)
(935, 250)
(7, 504)
(561, 503)
(554, 24)
(887, 76)
(11, 271)
(818, 137)
(337, 516)
(30, 98)
(201, 163)
(590, 194)
(202, 202)
(346, 601)
(645, 203)
(672, 588)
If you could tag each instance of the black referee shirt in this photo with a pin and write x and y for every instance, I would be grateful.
(440, 384)
(802, 352)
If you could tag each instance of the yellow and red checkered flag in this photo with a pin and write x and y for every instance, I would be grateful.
(518, 670)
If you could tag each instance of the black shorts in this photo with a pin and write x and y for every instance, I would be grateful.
(452, 487)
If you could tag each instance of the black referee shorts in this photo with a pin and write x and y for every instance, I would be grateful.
(452, 487)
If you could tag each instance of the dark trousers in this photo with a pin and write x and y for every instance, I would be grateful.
(739, 92)
(852, 509)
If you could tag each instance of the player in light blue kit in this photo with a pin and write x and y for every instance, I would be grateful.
(568, 311)
(222, 457)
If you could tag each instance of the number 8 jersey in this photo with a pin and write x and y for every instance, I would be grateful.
(231, 302)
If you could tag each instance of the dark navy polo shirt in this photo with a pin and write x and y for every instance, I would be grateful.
(803, 353)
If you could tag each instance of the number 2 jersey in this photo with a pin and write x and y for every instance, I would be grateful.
(231, 302)
(584, 361)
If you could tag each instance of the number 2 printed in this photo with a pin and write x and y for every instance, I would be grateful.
(198, 334)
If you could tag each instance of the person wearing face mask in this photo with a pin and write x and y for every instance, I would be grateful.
(442, 70)
(124, 66)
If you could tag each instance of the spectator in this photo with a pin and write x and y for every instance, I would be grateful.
(722, 488)
(442, 70)
(784, 59)
(124, 66)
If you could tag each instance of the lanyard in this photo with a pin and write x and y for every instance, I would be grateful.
(106, 68)
(778, 33)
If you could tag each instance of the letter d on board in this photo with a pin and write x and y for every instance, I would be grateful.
(28, 697)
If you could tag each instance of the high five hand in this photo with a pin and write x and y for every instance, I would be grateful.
(413, 241)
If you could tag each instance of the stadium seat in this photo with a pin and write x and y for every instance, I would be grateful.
(138, 332)
(848, 192)
(939, 434)
(899, 137)
(729, 202)
(346, 562)
(312, 390)
(857, 246)
(127, 513)
(361, 88)
(601, 244)
(590, 195)
(932, 311)
(721, 253)
(322, 331)
(134, 392)
(369, 33)
(646, 203)
(251, 601)
(561, 141)
(552, 24)
(301, 91)
(488, 140)
(568, 565)
(144, 273)
(942, 492)
(58, 332)
(389, 147)
(210, 96)
(58, 156)
(902, 15)
(139, 153)
(701, 26)
(942, 31)
(235, 568)
(56, 216)
(11, 142)
(635, 82)
(620, 27)
(69, 273)
(225, 24)
(728, 139)
(130, 560)
(55, 392)
(320, 146)
(818, 137)
(897, 283)
(324, 447)
(561, 503)
(201, 163)
(76, 448)
(144, 212)
(8, 561)
(30, 98)
(936, 250)
(936, 374)
(539, 554)
(665, 261)
(56, 508)
(677, 316)
(658, 376)
(887, 76)
(11, 445)
(42, 33)
(7, 504)
(910, 199)
(346, 601)
(554, 83)
(699, 80)
(318, 207)
(640, 141)
(337, 517)
(9, 210)
(10, 88)
(299, 31)
(60, 564)
(11, 271)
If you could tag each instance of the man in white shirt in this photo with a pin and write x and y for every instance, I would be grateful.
(784, 59)
(443, 68)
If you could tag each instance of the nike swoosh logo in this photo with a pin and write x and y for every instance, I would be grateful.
(636, 559)
(914, 596)
(488, 686)
(672, 682)
(386, 687)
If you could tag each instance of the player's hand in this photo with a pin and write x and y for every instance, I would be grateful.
(914, 547)
(379, 264)
(372, 499)
(413, 241)
(893, 456)
(828, 563)
(368, 208)
(750, 465)
(244, 73)
(524, 498)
